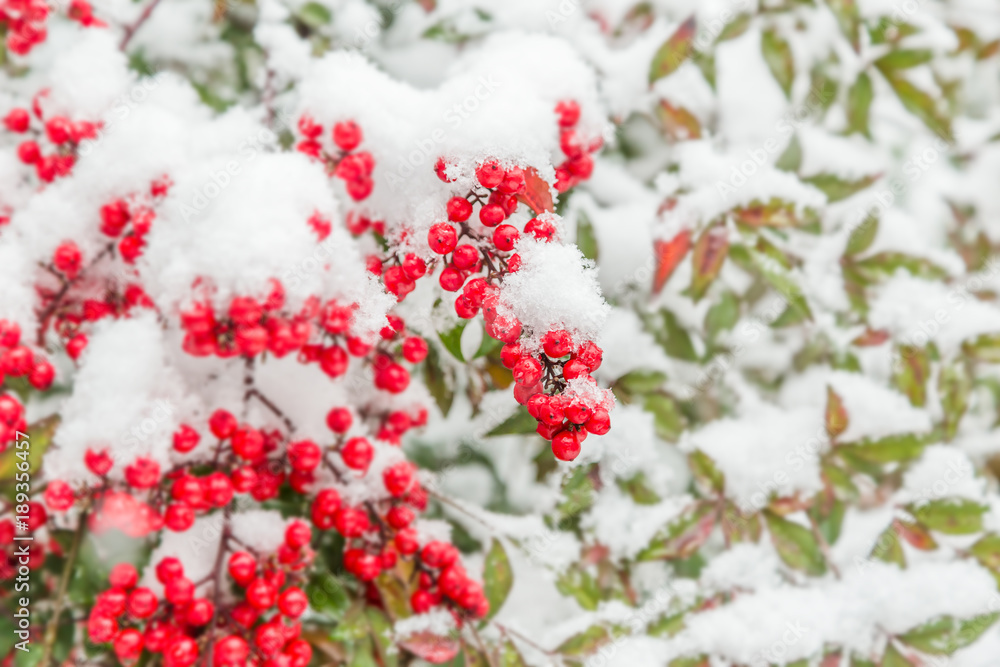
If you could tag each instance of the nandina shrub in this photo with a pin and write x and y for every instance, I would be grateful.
(538, 333)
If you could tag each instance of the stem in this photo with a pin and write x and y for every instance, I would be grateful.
(53, 625)
(130, 30)
(824, 548)
(217, 584)
(482, 646)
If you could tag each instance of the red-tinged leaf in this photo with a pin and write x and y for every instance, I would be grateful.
(435, 649)
(674, 51)
(836, 414)
(428, 5)
(678, 123)
(917, 535)
(709, 254)
(537, 193)
(683, 536)
(668, 255)
(832, 660)
(871, 338)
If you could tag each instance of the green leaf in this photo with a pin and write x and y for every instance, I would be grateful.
(586, 240)
(913, 373)
(849, 20)
(777, 275)
(946, 635)
(510, 656)
(438, 382)
(903, 59)
(520, 423)
(891, 449)
(921, 104)
(705, 472)
(735, 28)
(585, 642)
(984, 348)
(791, 158)
(327, 595)
(954, 385)
(641, 382)
(683, 536)
(667, 417)
(889, 548)
(795, 544)
(498, 577)
(953, 516)
(581, 586)
(859, 102)
(987, 551)
(778, 56)
(674, 338)
(674, 51)
(862, 236)
(636, 487)
(723, 315)
(314, 15)
(452, 340)
(388, 655)
(836, 188)
(39, 438)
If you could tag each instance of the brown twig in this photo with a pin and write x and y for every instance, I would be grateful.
(67, 573)
(130, 30)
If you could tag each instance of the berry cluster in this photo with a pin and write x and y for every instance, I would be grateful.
(61, 133)
(18, 360)
(579, 164)
(23, 21)
(354, 168)
(130, 219)
(564, 417)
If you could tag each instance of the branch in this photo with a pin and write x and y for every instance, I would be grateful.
(130, 30)
(53, 625)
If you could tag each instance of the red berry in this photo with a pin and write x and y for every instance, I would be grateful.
(565, 445)
(414, 267)
(510, 354)
(218, 489)
(67, 259)
(465, 257)
(10, 333)
(399, 517)
(59, 495)
(298, 534)
(123, 575)
(351, 522)
(591, 355)
(423, 601)
(179, 591)
(541, 228)
(398, 479)
(28, 152)
(143, 473)
(339, 420)
(451, 279)
(222, 423)
(231, 651)
(406, 541)
(199, 612)
(393, 378)
(142, 603)
(101, 628)
(527, 371)
(186, 439)
(465, 308)
(575, 368)
(309, 128)
(578, 413)
(599, 423)
(179, 517)
(242, 567)
(459, 209)
(98, 463)
(505, 237)
(557, 343)
(357, 454)
(180, 652)
(293, 602)
(492, 215)
(490, 174)
(513, 182)
(17, 120)
(569, 113)
(128, 645)
(414, 349)
(42, 374)
(261, 594)
(76, 345)
(347, 135)
(442, 238)
(438, 554)
(439, 168)
(247, 443)
(304, 455)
